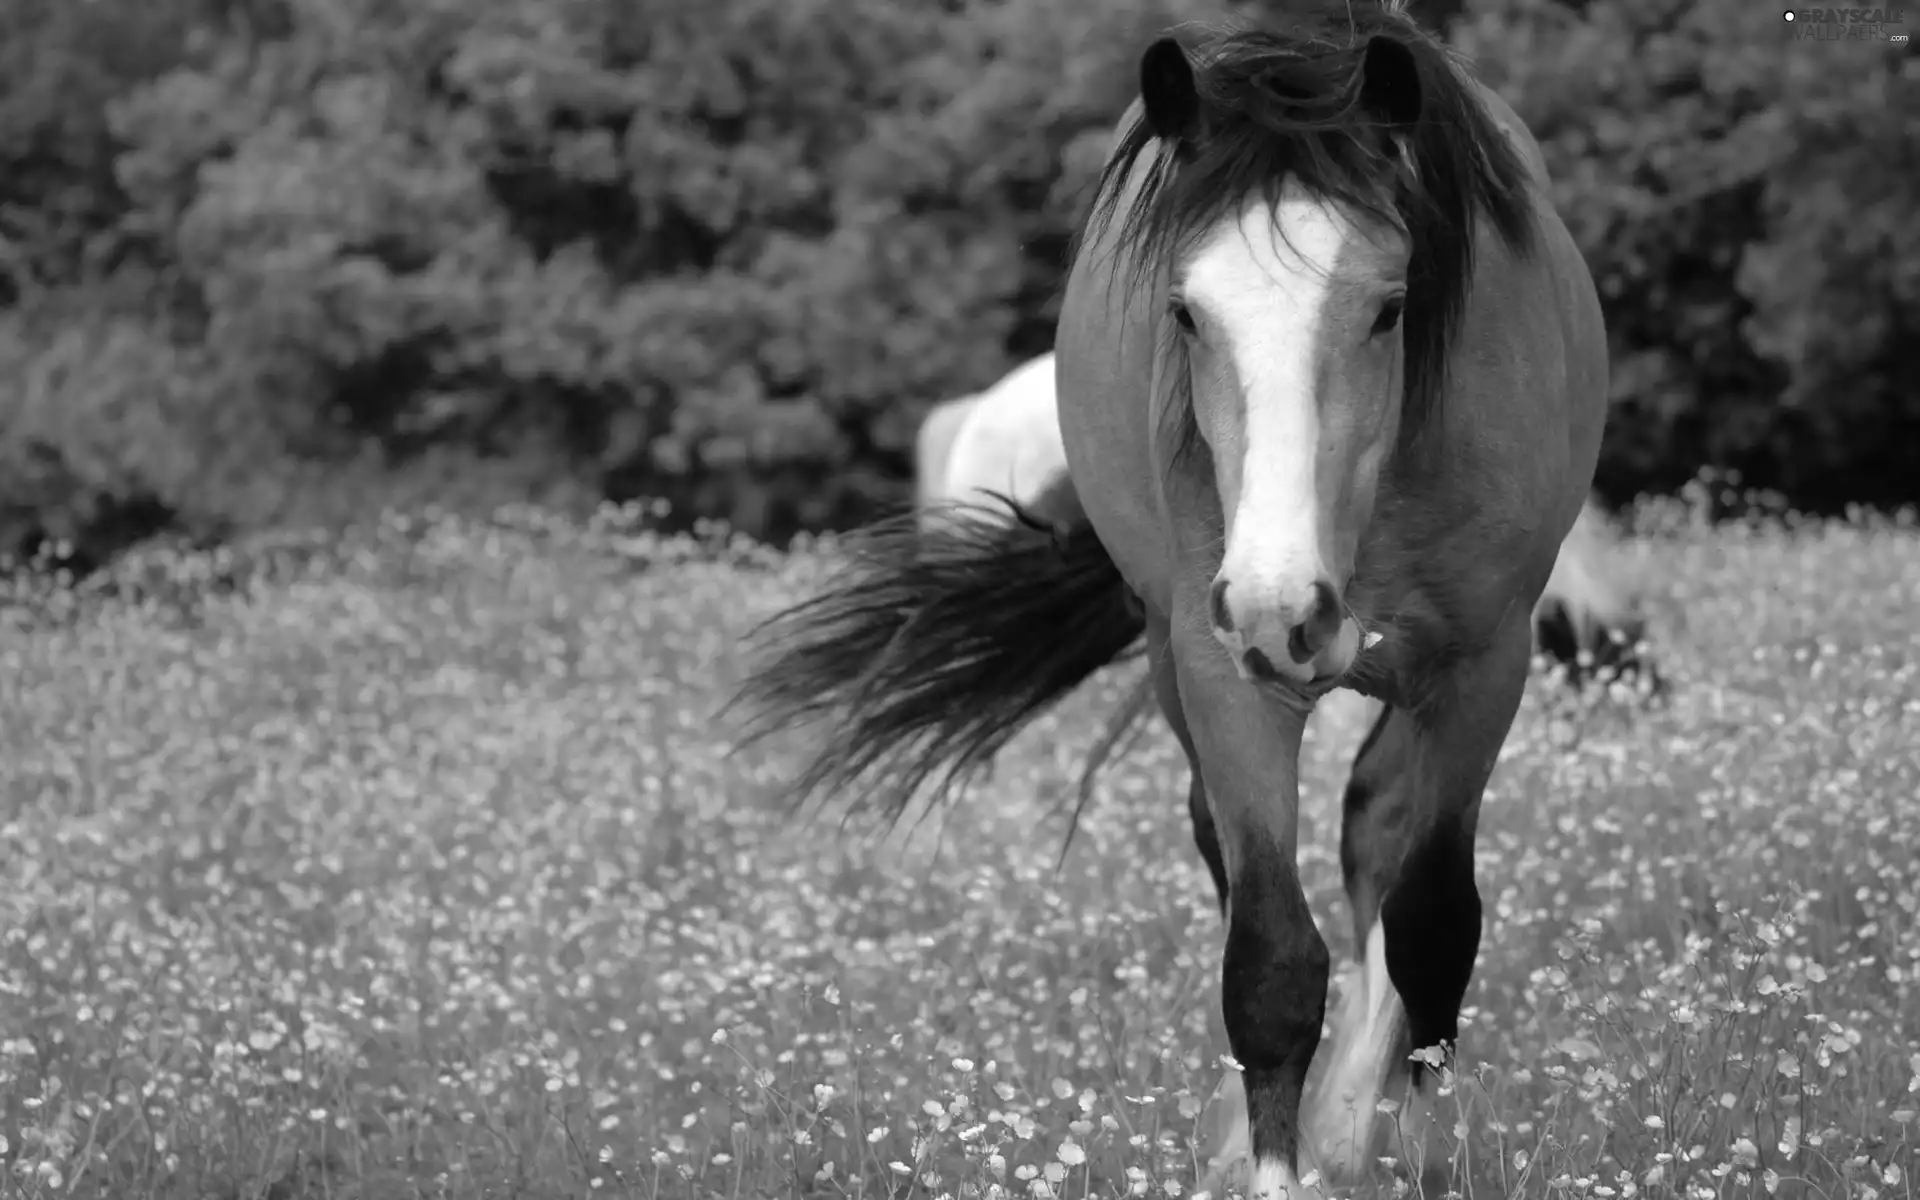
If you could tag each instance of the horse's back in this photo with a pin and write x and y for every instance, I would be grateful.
(933, 448)
(1584, 323)
(1585, 365)
(1536, 336)
(1004, 440)
(1011, 440)
(1586, 331)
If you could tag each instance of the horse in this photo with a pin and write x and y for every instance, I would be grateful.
(1005, 441)
(1331, 379)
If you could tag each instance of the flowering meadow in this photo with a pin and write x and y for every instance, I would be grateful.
(417, 864)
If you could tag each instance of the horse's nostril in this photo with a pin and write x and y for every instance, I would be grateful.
(1318, 626)
(1217, 606)
(1297, 644)
(1326, 604)
(1259, 665)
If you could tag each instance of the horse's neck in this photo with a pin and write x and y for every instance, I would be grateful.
(1516, 131)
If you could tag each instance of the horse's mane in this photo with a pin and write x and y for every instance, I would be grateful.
(1277, 105)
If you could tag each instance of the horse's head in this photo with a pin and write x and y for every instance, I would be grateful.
(1306, 258)
(1289, 307)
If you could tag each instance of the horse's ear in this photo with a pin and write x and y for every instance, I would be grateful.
(1390, 81)
(1167, 89)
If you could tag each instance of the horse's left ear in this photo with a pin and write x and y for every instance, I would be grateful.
(1390, 81)
(1167, 89)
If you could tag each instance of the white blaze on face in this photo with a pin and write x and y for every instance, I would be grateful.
(1263, 284)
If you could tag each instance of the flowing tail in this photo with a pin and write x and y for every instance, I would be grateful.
(1122, 728)
(933, 646)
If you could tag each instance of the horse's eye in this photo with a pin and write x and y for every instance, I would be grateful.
(1389, 315)
(1182, 316)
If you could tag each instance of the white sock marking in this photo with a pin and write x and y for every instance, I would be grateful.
(1274, 1180)
(1340, 1110)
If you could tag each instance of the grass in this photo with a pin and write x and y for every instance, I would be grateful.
(425, 871)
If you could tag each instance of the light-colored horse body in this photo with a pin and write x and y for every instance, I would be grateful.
(1004, 440)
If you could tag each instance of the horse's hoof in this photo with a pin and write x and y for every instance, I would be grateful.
(1225, 1180)
(1230, 1167)
(1278, 1183)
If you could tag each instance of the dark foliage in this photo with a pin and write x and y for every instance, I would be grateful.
(264, 263)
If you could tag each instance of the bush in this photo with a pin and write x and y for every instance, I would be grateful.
(727, 257)
(726, 261)
(1744, 199)
(100, 438)
(62, 215)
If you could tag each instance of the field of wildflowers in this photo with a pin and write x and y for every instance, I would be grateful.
(420, 867)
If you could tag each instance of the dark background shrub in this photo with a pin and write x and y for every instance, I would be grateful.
(266, 263)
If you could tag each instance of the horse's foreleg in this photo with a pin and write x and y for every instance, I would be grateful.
(1369, 1036)
(1227, 1112)
(1245, 751)
(1410, 812)
(1166, 690)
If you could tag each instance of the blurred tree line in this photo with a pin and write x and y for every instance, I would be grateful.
(280, 260)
